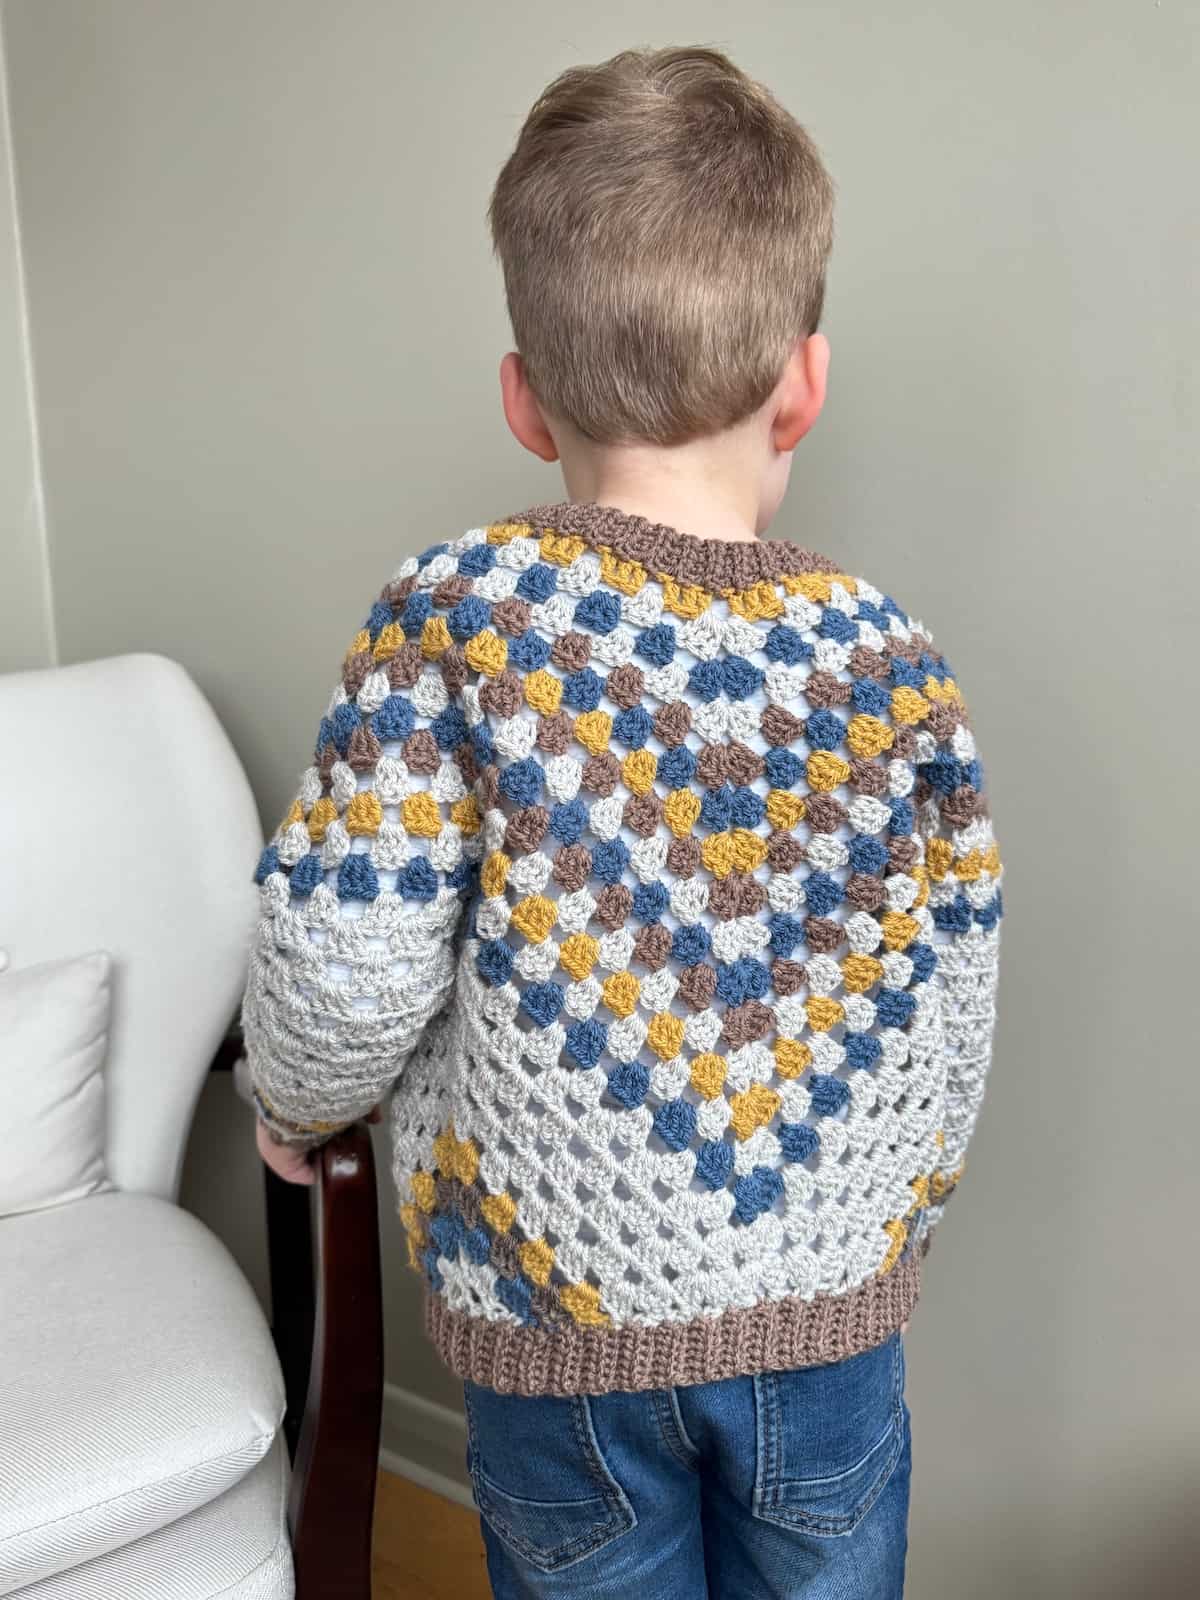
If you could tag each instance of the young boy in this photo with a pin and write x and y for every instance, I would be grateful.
(644, 867)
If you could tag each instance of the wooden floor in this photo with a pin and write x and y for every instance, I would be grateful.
(426, 1548)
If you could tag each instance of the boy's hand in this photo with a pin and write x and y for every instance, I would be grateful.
(289, 1163)
(284, 1160)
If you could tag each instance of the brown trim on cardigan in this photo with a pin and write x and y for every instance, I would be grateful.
(773, 1336)
(713, 564)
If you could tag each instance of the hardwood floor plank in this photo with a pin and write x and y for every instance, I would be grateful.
(426, 1548)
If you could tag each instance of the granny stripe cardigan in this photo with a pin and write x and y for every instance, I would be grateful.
(651, 879)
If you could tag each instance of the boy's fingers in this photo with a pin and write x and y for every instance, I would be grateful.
(288, 1163)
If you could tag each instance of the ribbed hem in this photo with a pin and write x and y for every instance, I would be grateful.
(710, 563)
(773, 1336)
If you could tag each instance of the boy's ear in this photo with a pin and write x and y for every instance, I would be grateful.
(521, 409)
(802, 392)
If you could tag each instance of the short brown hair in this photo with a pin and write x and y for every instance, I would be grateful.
(664, 225)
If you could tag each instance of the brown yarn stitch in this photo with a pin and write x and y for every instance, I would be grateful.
(713, 564)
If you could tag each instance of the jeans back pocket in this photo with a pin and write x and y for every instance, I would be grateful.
(829, 1438)
(540, 1481)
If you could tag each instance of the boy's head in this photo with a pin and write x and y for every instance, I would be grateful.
(663, 225)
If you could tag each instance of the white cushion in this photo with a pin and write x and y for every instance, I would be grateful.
(236, 1547)
(53, 1032)
(137, 1379)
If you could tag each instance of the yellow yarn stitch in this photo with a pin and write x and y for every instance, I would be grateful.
(465, 813)
(295, 813)
(736, 851)
(897, 1233)
(899, 931)
(907, 705)
(868, 737)
(681, 810)
(948, 690)
(592, 729)
(495, 873)
(414, 1234)
(791, 1058)
(534, 917)
(456, 1158)
(939, 853)
(506, 532)
(361, 641)
(707, 1073)
(686, 600)
(818, 586)
(784, 809)
(364, 814)
(826, 771)
(969, 867)
(638, 771)
(319, 818)
(561, 548)
(499, 1211)
(823, 1013)
(435, 638)
(860, 973)
(621, 992)
(537, 1261)
(583, 1302)
(752, 1109)
(423, 1189)
(627, 576)
(579, 954)
(543, 691)
(391, 637)
(665, 1035)
(940, 1183)
(757, 603)
(487, 653)
(420, 815)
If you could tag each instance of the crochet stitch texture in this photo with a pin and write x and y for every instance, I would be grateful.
(656, 875)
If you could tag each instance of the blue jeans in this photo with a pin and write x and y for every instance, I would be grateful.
(788, 1486)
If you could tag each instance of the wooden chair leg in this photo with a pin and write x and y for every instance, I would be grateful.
(331, 1510)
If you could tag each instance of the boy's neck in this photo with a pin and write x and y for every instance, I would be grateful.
(684, 488)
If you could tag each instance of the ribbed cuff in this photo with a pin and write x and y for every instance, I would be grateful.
(773, 1336)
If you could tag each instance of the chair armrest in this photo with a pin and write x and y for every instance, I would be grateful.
(331, 1508)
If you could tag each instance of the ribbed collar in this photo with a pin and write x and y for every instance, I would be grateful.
(712, 564)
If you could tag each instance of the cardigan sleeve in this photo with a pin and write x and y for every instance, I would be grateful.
(963, 871)
(363, 882)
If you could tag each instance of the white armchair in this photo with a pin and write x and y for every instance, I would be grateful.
(140, 1396)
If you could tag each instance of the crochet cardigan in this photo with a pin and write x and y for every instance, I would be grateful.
(651, 879)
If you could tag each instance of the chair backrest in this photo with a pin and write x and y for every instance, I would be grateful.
(127, 823)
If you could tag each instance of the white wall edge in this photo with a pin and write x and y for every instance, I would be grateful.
(425, 1443)
(402, 1467)
(37, 509)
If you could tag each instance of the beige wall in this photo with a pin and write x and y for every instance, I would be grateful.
(26, 624)
(265, 329)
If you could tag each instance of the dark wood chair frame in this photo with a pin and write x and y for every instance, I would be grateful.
(327, 1323)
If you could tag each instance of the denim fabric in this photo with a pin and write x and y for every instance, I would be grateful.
(787, 1486)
